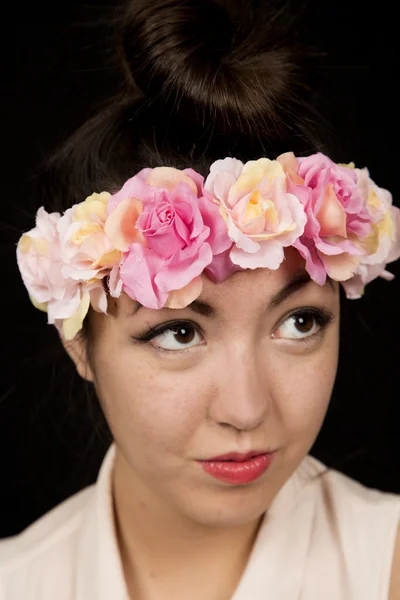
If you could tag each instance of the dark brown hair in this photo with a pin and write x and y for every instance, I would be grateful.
(200, 80)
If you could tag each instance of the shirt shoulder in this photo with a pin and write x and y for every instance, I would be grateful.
(338, 486)
(355, 529)
(48, 545)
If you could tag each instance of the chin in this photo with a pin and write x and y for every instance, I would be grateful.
(233, 509)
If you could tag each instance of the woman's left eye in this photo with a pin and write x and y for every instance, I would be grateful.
(175, 336)
(302, 324)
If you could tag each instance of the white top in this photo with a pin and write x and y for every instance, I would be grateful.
(323, 537)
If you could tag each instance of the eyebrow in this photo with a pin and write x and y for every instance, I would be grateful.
(297, 282)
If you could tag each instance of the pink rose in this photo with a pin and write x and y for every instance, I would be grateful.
(179, 231)
(168, 225)
(382, 246)
(261, 216)
(336, 215)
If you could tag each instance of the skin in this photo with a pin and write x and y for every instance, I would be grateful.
(245, 383)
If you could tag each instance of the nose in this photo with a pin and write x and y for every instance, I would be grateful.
(241, 396)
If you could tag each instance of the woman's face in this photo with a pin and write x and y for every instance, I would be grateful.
(250, 366)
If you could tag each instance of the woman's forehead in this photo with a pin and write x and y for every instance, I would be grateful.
(253, 289)
(253, 284)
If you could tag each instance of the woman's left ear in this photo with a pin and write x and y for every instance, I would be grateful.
(77, 351)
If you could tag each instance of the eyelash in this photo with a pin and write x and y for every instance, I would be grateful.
(322, 319)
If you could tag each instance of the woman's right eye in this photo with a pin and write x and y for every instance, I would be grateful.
(176, 336)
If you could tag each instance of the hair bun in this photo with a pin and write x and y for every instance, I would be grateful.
(220, 63)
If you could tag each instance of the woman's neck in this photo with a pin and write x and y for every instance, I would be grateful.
(168, 556)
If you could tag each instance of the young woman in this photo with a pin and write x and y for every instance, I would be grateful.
(192, 265)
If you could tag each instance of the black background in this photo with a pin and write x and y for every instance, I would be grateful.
(55, 69)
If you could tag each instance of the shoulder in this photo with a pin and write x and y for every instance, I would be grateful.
(45, 545)
(362, 523)
(338, 488)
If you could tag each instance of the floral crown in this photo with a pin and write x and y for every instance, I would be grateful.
(155, 237)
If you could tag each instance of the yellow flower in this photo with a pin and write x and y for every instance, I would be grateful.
(90, 238)
(94, 206)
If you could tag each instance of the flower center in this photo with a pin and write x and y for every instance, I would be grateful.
(166, 215)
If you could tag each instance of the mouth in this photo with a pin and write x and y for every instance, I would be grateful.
(238, 457)
(238, 469)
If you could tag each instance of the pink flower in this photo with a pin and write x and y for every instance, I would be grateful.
(87, 256)
(173, 237)
(261, 216)
(337, 215)
(381, 247)
(164, 228)
(41, 263)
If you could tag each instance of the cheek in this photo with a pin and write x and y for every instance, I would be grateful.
(302, 390)
(147, 408)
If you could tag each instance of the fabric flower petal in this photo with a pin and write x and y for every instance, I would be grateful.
(332, 216)
(120, 226)
(98, 298)
(138, 272)
(229, 165)
(314, 265)
(179, 273)
(169, 178)
(269, 256)
(218, 237)
(114, 282)
(181, 298)
(72, 325)
(221, 267)
(341, 266)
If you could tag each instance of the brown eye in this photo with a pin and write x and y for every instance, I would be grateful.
(301, 325)
(184, 334)
(304, 323)
(177, 336)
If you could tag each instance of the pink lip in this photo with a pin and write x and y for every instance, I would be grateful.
(236, 456)
(236, 470)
